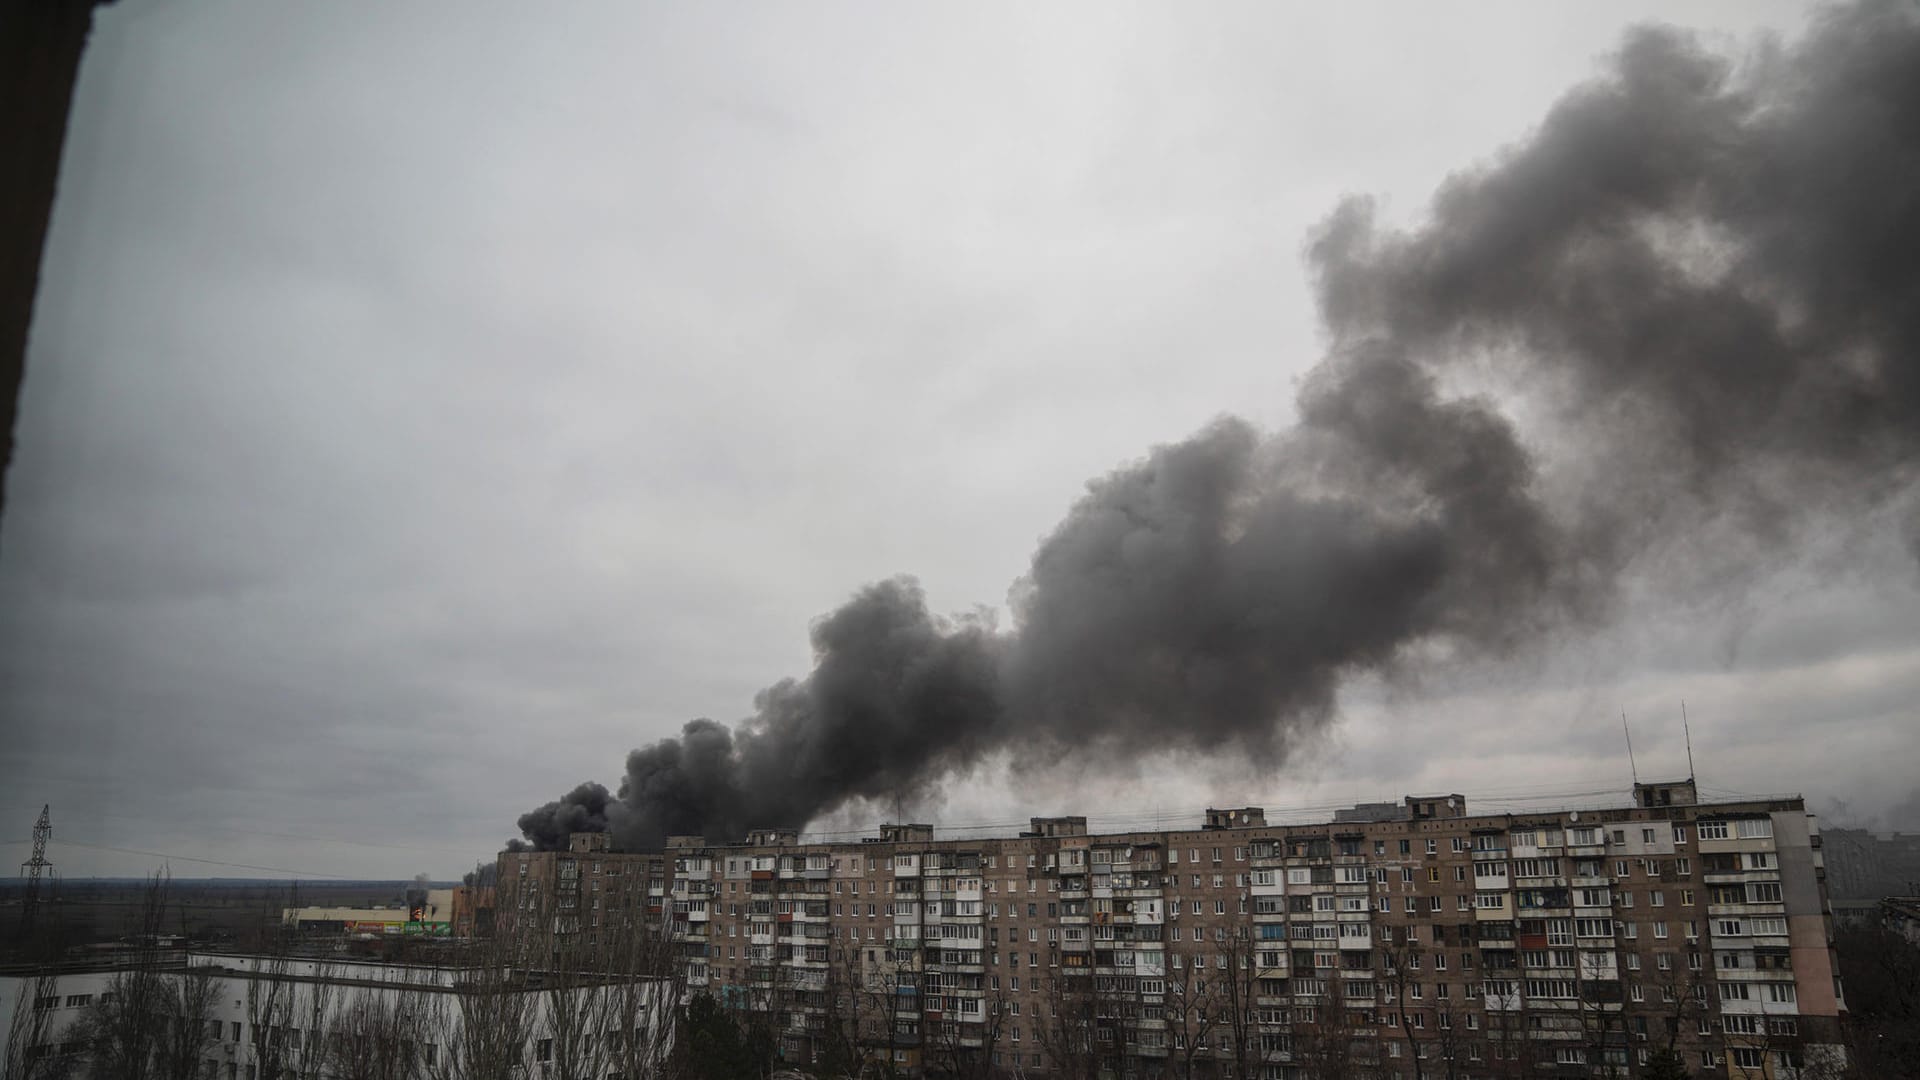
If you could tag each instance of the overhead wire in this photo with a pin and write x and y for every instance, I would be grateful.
(86, 815)
(172, 857)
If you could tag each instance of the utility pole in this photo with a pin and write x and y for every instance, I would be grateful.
(33, 870)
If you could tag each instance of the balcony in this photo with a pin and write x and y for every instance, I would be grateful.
(1750, 975)
(1773, 909)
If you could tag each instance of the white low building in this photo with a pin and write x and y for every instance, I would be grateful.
(267, 1016)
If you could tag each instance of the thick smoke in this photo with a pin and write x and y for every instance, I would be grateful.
(584, 809)
(1702, 284)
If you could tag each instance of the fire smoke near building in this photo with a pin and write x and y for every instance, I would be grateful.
(1697, 286)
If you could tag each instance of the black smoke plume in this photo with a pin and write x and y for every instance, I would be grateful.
(584, 809)
(1698, 283)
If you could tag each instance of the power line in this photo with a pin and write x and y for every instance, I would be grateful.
(211, 862)
(279, 835)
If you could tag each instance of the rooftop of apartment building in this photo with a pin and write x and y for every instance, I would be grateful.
(1677, 799)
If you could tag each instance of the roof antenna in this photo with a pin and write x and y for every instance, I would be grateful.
(1630, 762)
(1688, 731)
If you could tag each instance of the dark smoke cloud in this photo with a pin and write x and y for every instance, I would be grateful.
(584, 809)
(897, 696)
(1702, 282)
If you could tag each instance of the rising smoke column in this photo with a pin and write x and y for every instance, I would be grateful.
(1703, 283)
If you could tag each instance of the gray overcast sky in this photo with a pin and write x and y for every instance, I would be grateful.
(428, 403)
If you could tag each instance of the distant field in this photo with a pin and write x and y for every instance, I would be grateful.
(208, 910)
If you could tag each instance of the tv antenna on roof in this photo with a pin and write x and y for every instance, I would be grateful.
(1688, 732)
(1630, 763)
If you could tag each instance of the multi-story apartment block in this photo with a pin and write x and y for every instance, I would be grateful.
(1404, 939)
(589, 890)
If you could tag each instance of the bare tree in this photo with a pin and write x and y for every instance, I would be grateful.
(31, 1053)
(607, 996)
(1323, 1033)
(890, 986)
(1095, 1021)
(1507, 1025)
(838, 1049)
(1683, 999)
(311, 1002)
(150, 1024)
(125, 1027)
(963, 1048)
(1768, 1045)
(579, 982)
(1882, 1028)
(1398, 974)
(270, 993)
(1600, 1004)
(571, 993)
(1239, 993)
(638, 1005)
(1445, 1049)
(1068, 1032)
(483, 1028)
(379, 1034)
(1453, 1044)
(188, 1001)
(1195, 1006)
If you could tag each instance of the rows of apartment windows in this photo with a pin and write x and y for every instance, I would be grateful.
(1757, 893)
(1549, 866)
(1314, 847)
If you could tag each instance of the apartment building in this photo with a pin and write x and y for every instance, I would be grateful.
(589, 889)
(1400, 939)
